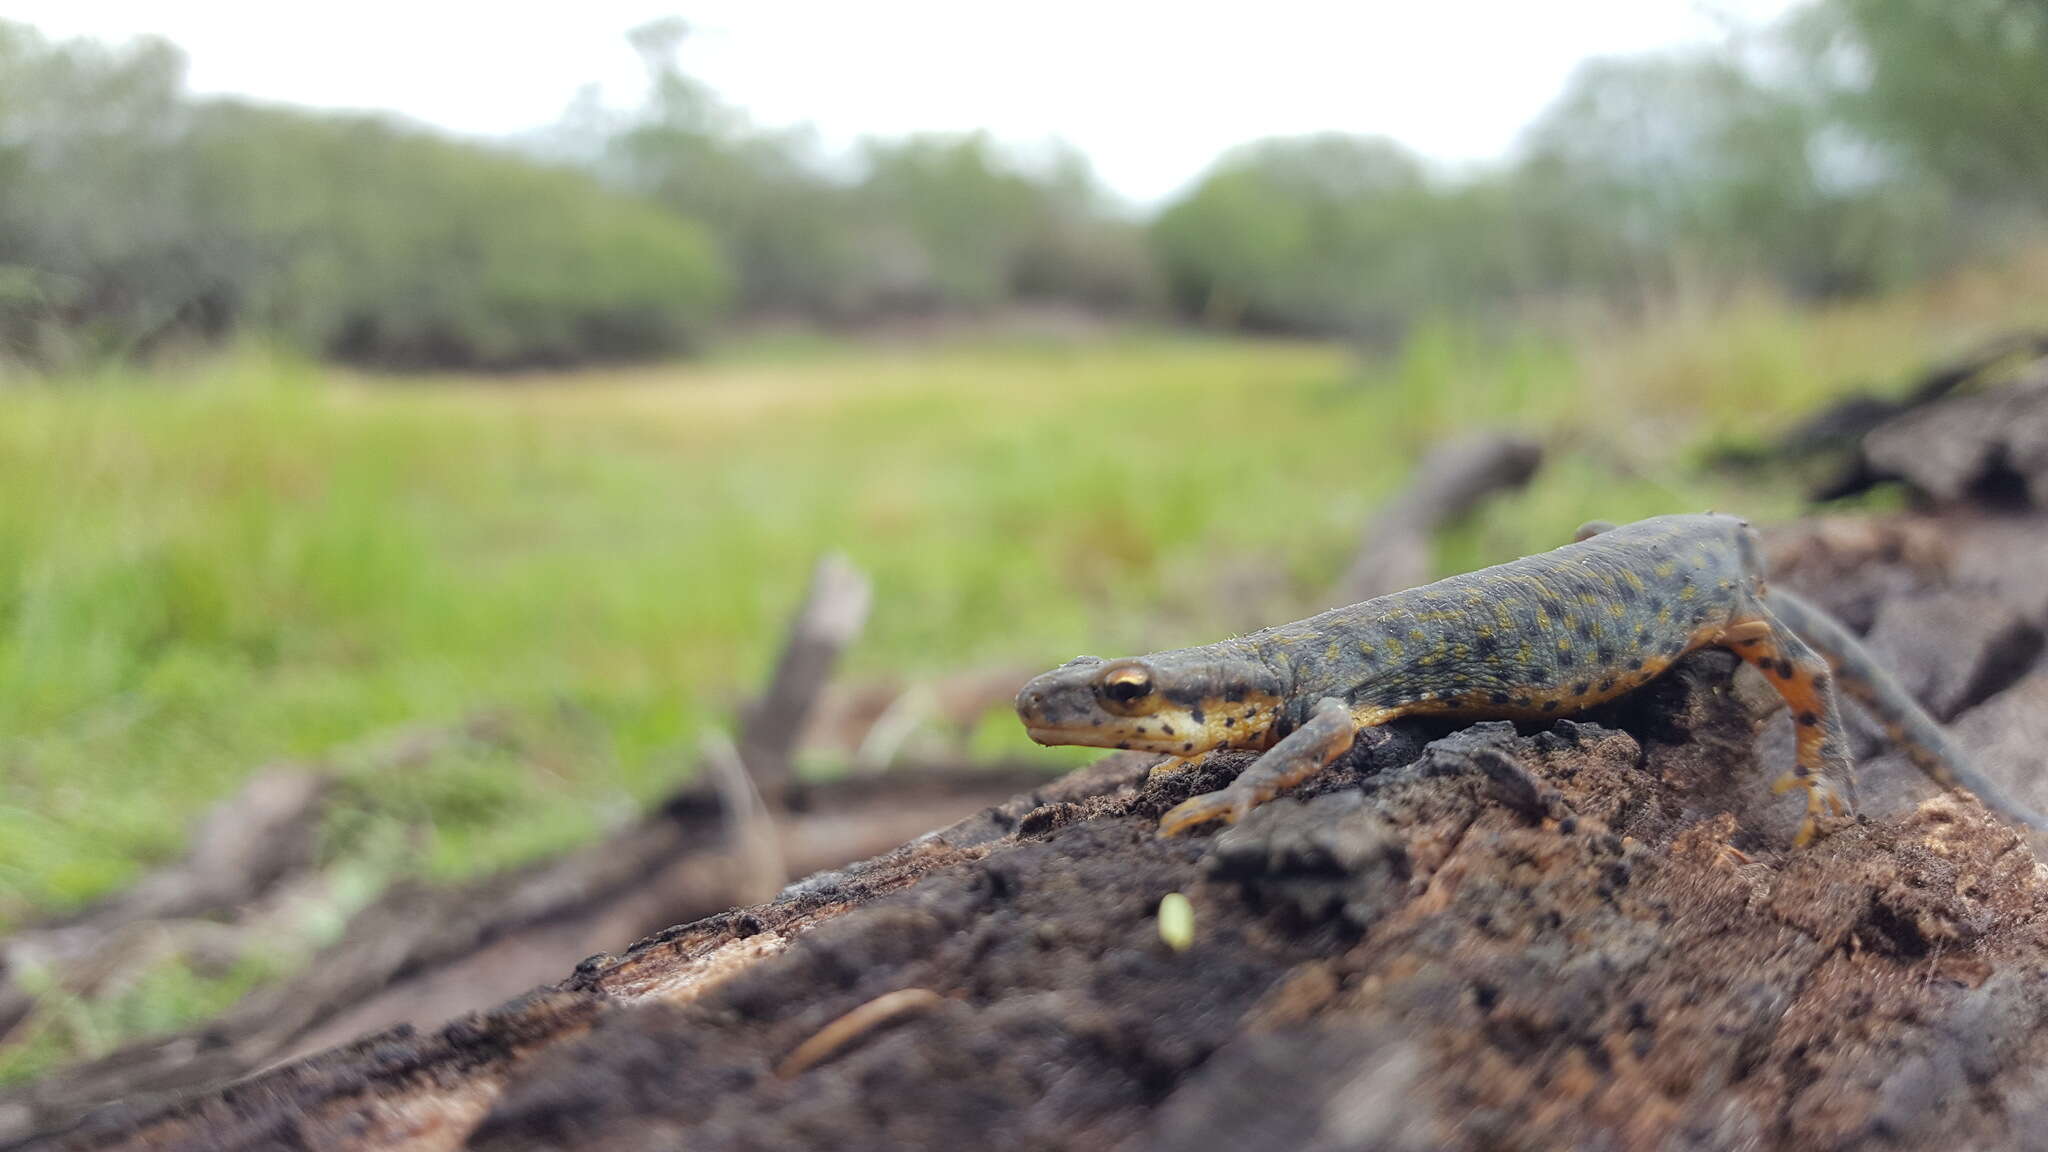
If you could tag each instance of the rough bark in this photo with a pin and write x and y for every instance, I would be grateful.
(1591, 934)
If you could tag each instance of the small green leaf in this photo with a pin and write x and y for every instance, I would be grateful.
(1177, 922)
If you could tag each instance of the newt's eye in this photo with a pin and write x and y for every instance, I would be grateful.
(1127, 682)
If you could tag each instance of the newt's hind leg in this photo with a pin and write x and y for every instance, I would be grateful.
(1823, 768)
(1301, 754)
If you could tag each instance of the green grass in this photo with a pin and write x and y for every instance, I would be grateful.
(257, 560)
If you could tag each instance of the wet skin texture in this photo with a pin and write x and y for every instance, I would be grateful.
(1543, 636)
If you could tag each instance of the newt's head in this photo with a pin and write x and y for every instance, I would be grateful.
(1179, 703)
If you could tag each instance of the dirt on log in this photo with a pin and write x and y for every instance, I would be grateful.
(1590, 935)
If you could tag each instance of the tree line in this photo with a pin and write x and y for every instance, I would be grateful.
(1857, 146)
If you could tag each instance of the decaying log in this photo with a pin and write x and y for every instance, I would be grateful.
(1948, 436)
(1589, 934)
(248, 855)
(1849, 419)
(424, 954)
(1991, 446)
(244, 847)
(1455, 477)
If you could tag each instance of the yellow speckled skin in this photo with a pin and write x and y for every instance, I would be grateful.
(1542, 636)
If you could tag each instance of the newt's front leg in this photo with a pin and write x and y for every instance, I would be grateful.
(1173, 766)
(1823, 768)
(1328, 734)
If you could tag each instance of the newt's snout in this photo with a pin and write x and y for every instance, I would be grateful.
(1058, 707)
(1034, 707)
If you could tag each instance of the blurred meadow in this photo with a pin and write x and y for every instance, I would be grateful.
(317, 426)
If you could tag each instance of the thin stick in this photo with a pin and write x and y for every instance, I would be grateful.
(827, 1042)
(833, 612)
(750, 826)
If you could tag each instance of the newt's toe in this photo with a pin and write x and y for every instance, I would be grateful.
(1226, 807)
(1729, 856)
(1823, 800)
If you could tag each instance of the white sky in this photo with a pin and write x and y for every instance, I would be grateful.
(1151, 91)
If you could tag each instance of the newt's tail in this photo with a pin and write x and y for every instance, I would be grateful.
(1908, 725)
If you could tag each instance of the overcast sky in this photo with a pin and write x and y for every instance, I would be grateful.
(1152, 92)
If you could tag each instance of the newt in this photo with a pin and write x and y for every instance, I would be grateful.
(1535, 638)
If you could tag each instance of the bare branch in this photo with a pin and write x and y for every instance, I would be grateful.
(832, 614)
(1454, 478)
